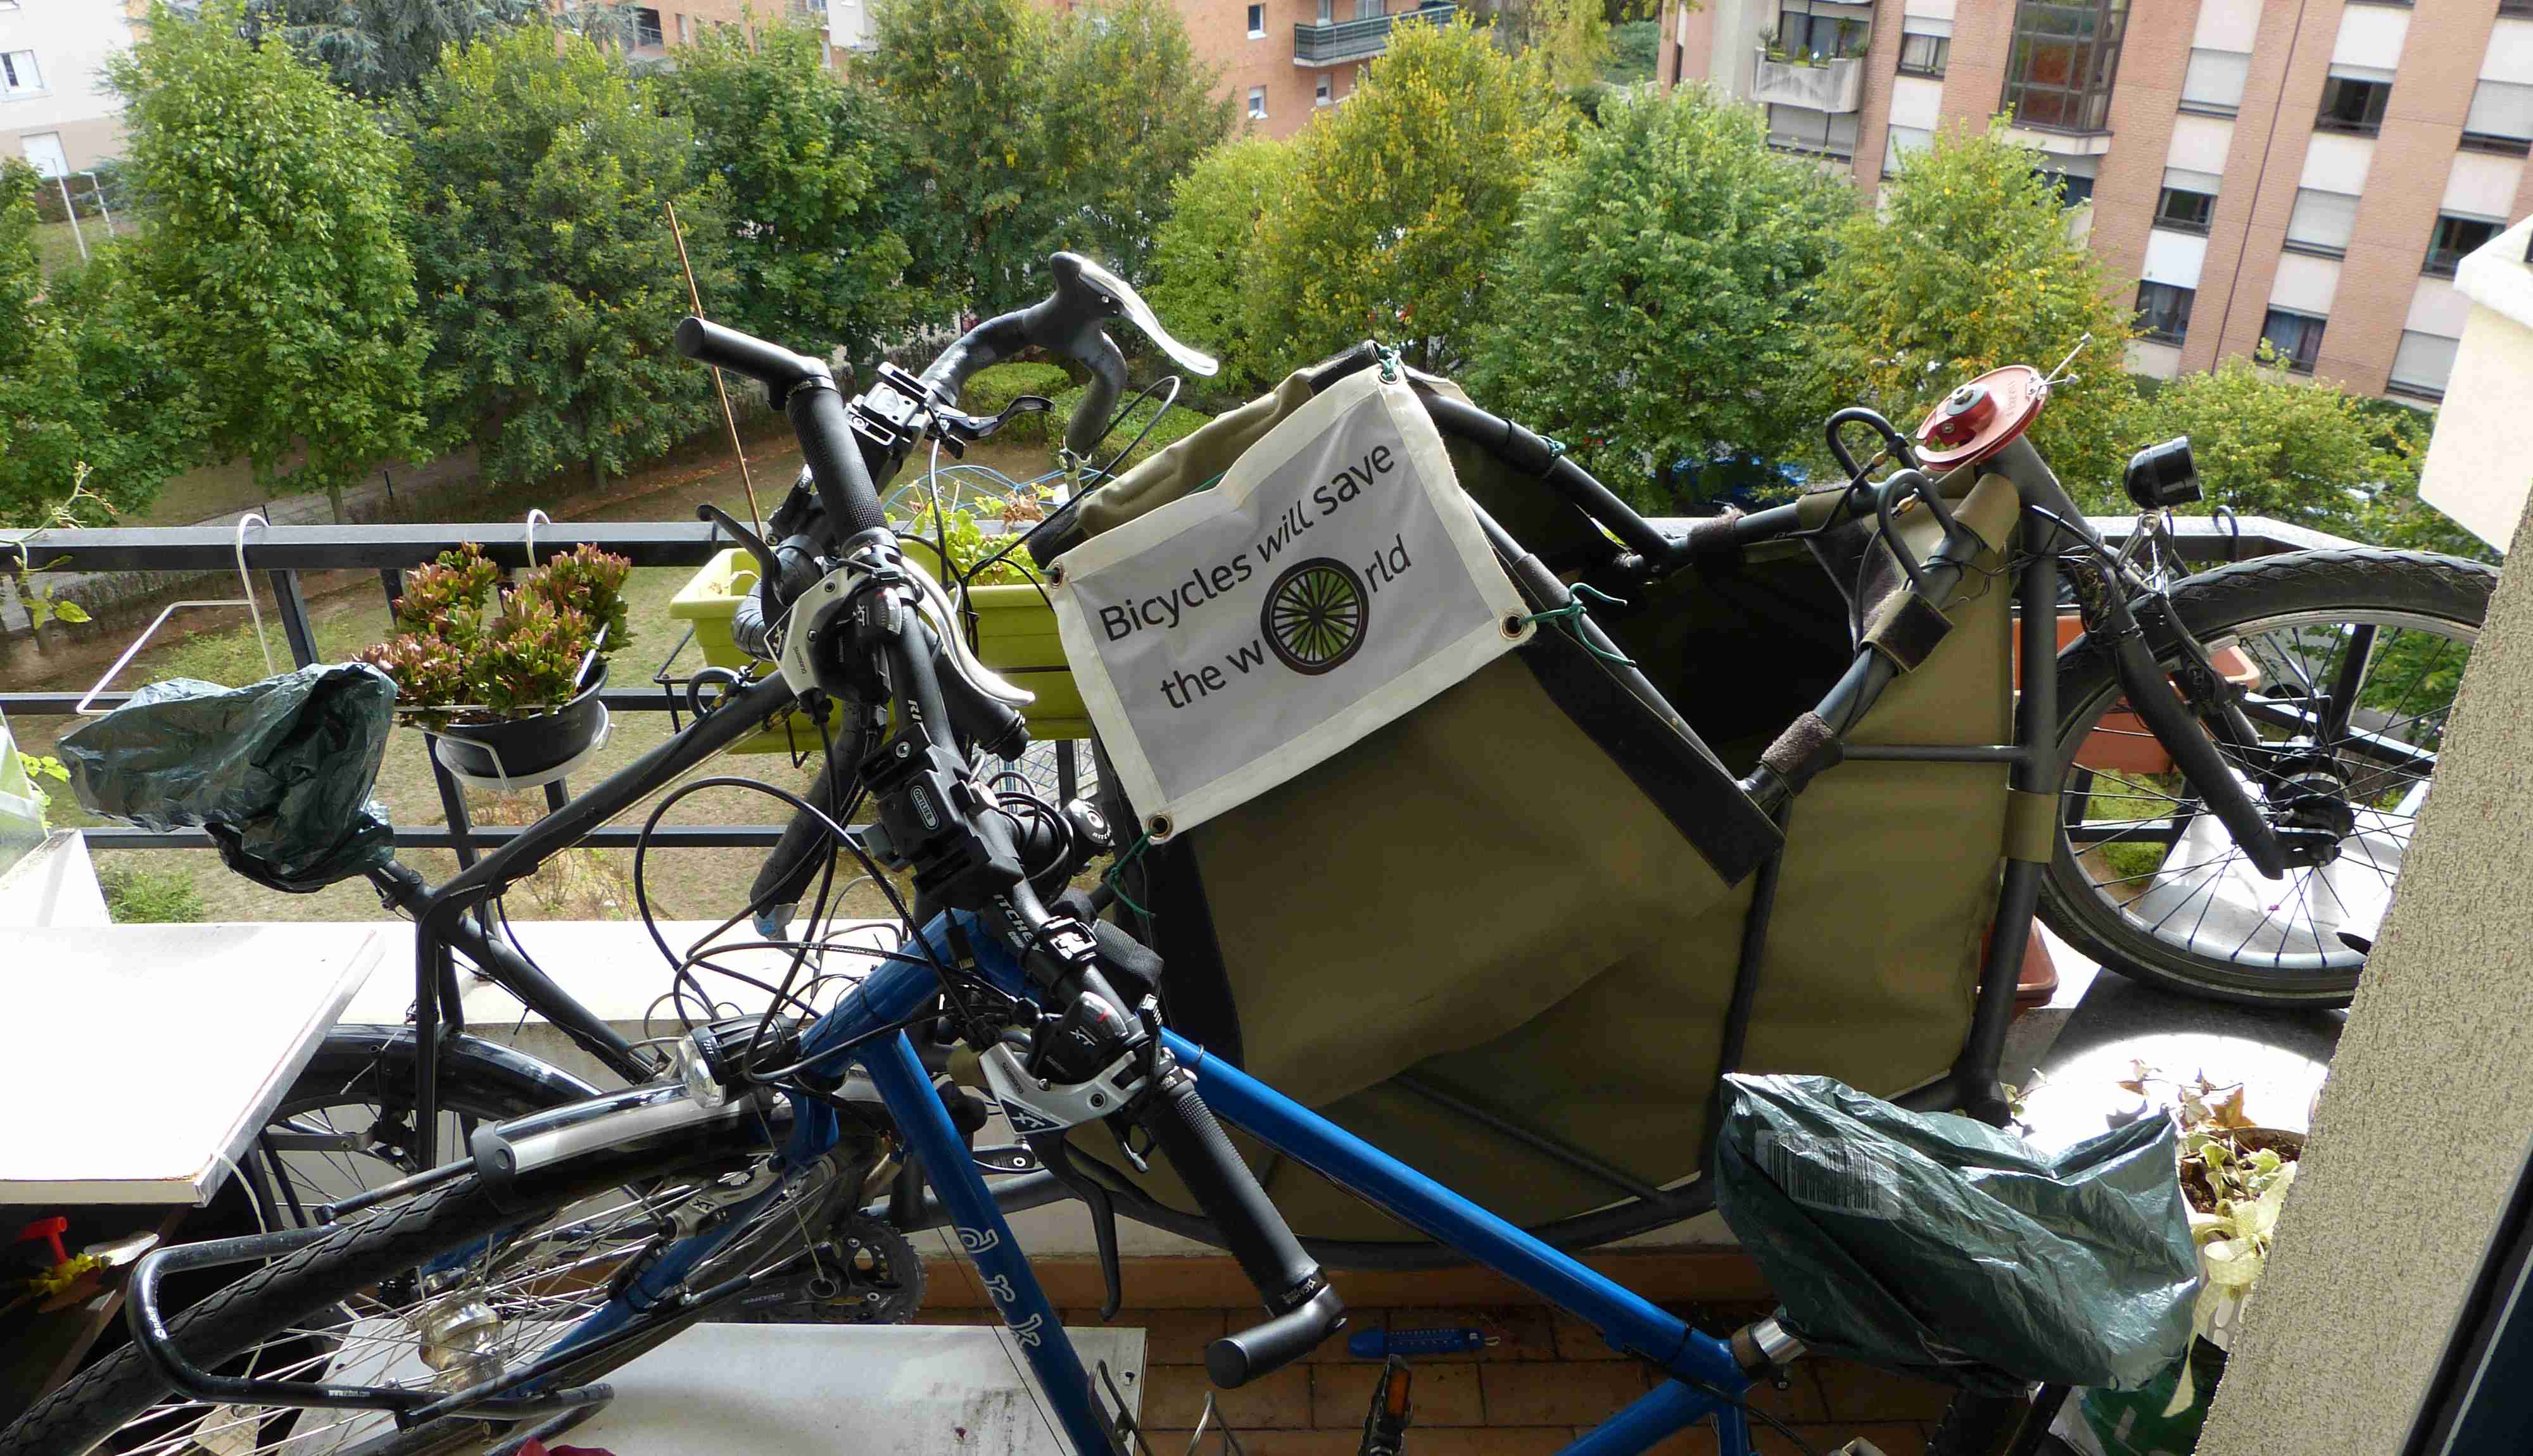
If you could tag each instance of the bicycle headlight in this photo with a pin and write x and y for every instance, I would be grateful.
(720, 1057)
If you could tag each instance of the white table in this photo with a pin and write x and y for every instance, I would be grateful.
(139, 1061)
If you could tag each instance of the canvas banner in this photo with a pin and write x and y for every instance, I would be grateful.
(1330, 582)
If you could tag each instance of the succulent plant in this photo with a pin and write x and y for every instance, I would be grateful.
(456, 653)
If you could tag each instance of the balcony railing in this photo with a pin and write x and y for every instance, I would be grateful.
(1357, 39)
(1834, 86)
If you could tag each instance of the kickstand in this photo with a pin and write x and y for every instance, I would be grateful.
(1057, 1159)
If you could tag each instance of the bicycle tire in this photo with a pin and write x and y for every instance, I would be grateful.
(2283, 588)
(85, 1414)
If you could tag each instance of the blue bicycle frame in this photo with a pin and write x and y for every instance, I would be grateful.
(1706, 1381)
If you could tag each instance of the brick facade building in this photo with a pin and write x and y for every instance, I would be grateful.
(2305, 171)
(1283, 61)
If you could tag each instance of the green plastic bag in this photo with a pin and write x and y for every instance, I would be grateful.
(278, 772)
(1938, 1246)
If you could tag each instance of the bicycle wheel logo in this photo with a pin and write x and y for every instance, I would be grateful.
(1314, 615)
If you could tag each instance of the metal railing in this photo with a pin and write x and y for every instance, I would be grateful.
(1356, 39)
(281, 552)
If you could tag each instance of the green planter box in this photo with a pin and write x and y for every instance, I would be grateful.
(1015, 635)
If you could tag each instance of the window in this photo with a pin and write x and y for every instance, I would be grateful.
(1925, 55)
(1258, 103)
(686, 29)
(1898, 142)
(2058, 75)
(2500, 118)
(2322, 221)
(2183, 211)
(1365, 10)
(2351, 103)
(646, 30)
(2215, 81)
(1328, 12)
(2422, 365)
(43, 150)
(1801, 32)
(20, 75)
(2453, 238)
(2164, 311)
(1325, 95)
(1813, 133)
(2075, 189)
(2296, 336)
(1257, 22)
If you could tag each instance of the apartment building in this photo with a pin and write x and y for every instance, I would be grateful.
(2307, 172)
(1284, 61)
(55, 110)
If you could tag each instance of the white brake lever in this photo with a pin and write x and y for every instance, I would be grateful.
(943, 614)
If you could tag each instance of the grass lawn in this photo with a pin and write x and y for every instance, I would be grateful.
(348, 612)
(55, 245)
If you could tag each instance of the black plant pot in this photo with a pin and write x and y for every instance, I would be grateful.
(516, 748)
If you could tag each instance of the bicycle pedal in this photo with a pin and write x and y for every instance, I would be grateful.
(1385, 1425)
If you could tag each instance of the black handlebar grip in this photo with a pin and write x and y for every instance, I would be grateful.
(777, 368)
(1307, 1310)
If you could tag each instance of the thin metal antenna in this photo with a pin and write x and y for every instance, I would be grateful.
(694, 296)
(2059, 375)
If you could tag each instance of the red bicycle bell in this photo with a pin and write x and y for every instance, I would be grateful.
(1981, 417)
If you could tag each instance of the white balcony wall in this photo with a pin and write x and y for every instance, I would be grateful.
(2175, 258)
(2510, 56)
(2200, 143)
(2333, 162)
(2483, 183)
(2371, 35)
(2305, 284)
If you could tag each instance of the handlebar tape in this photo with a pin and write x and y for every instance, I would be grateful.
(1307, 1310)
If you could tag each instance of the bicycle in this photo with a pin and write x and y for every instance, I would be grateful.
(472, 1303)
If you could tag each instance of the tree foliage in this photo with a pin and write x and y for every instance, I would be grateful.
(81, 380)
(1208, 255)
(539, 219)
(1401, 201)
(812, 176)
(2269, 443)
(1968, 266)
(1130, 107)
(380, 48)
(272, 269)
(1667, 273)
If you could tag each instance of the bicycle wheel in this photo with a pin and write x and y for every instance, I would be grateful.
(347, 1123)
(439, 1291)
(2350, 660)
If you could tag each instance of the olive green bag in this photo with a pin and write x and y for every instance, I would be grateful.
(1518, 911)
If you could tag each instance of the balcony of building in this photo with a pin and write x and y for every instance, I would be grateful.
(1831, 84)
(1330, 41)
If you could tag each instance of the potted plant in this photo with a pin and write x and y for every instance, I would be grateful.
(507, 679)
(2235, 1174)
(1013, 624)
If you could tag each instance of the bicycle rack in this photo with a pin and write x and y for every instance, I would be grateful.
(86, 706)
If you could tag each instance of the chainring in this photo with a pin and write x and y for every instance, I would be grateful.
(866, 1273)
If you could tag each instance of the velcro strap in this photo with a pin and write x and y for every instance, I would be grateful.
(1904, 629)
(1806, 746)
(2030, 826)
(1710, 536)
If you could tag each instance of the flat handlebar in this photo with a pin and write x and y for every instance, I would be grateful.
(806, 390)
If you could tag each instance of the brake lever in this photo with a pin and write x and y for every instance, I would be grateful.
(1132, 306)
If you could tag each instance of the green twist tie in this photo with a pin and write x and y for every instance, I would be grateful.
(1569, 616)
(1389, 365)
(1110, 879)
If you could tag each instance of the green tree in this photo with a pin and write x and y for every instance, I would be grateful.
(82, 384)
(539, 216)
(272, 265)
(2270, 443)
(1403, 199)
(1208, 255)
(1129, 105)
(810, 170)
(969, 80)
(378, 48)
(1667, 271)
(1968, 266)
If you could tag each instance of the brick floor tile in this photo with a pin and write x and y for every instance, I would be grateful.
(1170, 1336)
(1545, 1394)
(1576, 1339)
(1861, 1392)
(1801, 1400)
(1496, 1440)
(1440, 1395)
(1268, 1443)
(1174, 1396)
(1333, 1347)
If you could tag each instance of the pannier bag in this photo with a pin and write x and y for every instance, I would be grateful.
(277, 772)
(1935, 1244)
(1527, 895)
